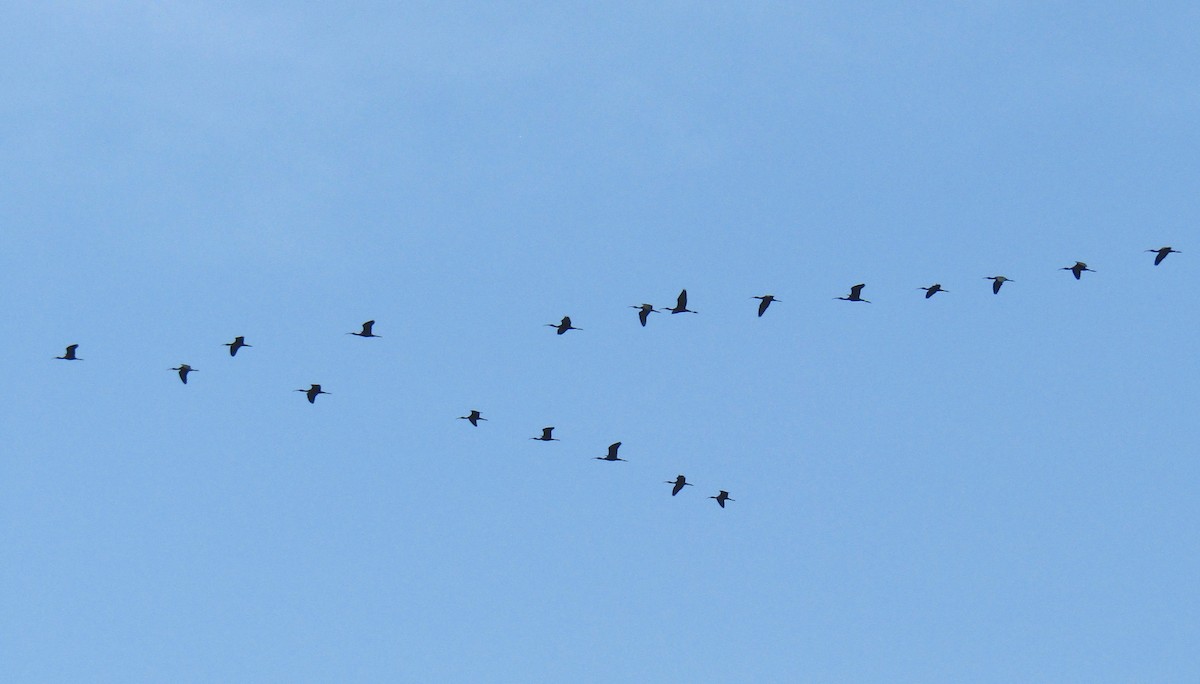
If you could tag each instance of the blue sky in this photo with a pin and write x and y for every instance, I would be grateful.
(969, 488)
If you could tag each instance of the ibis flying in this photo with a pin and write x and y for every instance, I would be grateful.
(183, 369)
(721, 498)
(312, 393)
(766, 301)
(932, 290)
(681, 304)
(680, 482)
(546, 432)
(1162, 253)
(473, 417)
(564, 326)
(237, 343)
(644, 312)
(1077, 270)
(366, 330)
(612, 453)
(69, 355)
(855, 296)
(997, 281)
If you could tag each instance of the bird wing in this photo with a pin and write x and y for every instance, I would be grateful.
(681, 302)
(996, 286)
(612, 449)
(367, 327)
(643, 315)
(762, 306)
(856, 291)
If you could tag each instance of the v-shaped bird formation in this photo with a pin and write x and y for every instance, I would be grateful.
(474, 417)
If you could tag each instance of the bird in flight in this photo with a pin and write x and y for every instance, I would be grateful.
(997, 281)
(932, 290)
(237, 343)
(680, 482)
(855, 296)
(69, 355)
(546, 432)
(366, 330)
(1162, 253)
(644, 312)
(612, 453)
(183, 369)
(681, 304)
(473, 417)
(1077, 270)
(312, 393)
(721, 498)
(564, 326)
(766, 301)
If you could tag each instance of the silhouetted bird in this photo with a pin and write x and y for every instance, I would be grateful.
(237, 343)
(680, 482)
(644, 312)
(722, 498)
(932, 290)
(681, 304)
(766, 301)
(612, 453)
(564, 326)
(366, 331)
(312, 393)
(997, 281)
(1077, 270)
(70, 353)
(855, 295)
(473, 417)
(546, 435)
(183, 369)
(1162, 253)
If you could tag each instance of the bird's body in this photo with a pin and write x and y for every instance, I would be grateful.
(612, 453)
(766, 301)
(69, 354)
(997, 281)
(681, 304)
(1162, 253)
(312, 393)
(932, 290)
(644, 312)
(237, 343)
(366, 330)
(680, 482)
(564, 326)
(546, 432)
(473, 417)
(721, 498)
(184, 369)
(855, 294)
(1077, 270)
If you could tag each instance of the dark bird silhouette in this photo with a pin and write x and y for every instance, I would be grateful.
(69, 355)
(312, 393)
(855, 295)
(680, 482)
(1077, 270)
(997, 281)
(473, 417)
(721, 498)
(644, 312)
(932, 290)
(183, 369)
(681, 304)
(612, 453)
(1162, 253)
(237, 343)
(366, 331)
(546, 435)
(766, 301)
(564, 326)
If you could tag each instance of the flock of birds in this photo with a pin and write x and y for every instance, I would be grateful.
(644, 311)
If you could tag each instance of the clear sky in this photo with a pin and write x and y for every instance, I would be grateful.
(971, 488)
